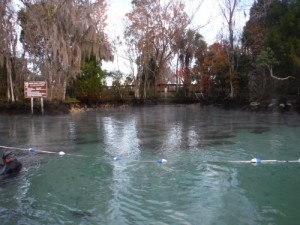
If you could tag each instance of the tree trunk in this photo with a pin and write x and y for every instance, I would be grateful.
(228, 12)
(10, 88)
(64, 90)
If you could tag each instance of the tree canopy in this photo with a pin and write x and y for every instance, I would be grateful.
(57, 41)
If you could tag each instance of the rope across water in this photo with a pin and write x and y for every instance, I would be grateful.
(160, 161)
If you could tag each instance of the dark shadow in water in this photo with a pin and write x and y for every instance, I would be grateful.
(221, 142)
(84, 142)
(254, 129)
(208, 143)
(83, 215)
(260, 130)
(80, 213)
(219, 136)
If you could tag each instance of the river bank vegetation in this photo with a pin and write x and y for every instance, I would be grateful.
(170, 62)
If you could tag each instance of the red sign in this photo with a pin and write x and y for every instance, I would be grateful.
(35, 89)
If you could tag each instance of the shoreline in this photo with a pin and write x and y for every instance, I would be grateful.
(63, 108)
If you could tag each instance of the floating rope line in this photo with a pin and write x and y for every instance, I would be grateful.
(61, 153)
(259, 161)
(34, 150)
(252, 161)
(160, 161)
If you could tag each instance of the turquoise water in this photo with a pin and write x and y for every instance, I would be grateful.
(198, 185)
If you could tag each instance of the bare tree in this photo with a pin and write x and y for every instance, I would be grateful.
(228, 9)
(153, 27)
(8, 43)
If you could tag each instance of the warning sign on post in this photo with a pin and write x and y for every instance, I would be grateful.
(35, 89)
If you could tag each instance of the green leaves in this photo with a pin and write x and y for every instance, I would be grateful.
(89, 84)
(284, 35)
(266, 58)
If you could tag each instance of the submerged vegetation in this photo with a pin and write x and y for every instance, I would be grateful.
(169, 60)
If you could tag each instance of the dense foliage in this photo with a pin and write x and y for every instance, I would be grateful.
(90, 83)
(271, 40)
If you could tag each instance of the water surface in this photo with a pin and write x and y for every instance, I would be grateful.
(197, 186)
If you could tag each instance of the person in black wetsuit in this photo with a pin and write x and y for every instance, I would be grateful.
(10, 165)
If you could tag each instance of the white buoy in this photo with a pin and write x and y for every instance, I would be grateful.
(32, 150)
(162, 161)
(117, 158)
(61, 153)
(255, 160)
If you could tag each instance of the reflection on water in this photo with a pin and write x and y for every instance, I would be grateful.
(196, 186)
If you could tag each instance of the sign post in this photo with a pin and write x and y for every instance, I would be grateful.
(31, 101)
(35, 89)
(42, 105)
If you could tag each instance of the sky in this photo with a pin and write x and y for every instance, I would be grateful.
(208, 18)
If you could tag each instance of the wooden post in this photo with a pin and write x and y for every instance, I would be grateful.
(166, 91)
(31, 105)
(42, 105)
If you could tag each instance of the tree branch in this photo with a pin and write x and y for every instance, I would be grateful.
(279, 78)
